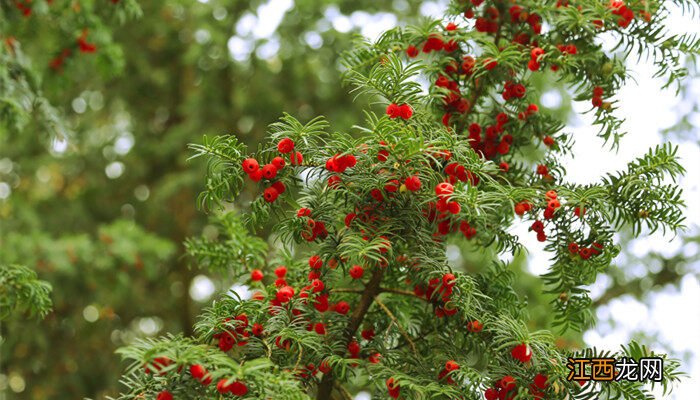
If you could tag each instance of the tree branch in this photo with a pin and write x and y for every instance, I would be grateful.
(372, 289)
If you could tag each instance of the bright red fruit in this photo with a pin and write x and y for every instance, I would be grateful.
(356, 272)
(412, 51)
(281, 271)
(256, 275)
(270, 194)
(444, 189)
(413, 183)
(285, 294)
(405, 111)
(269, 171)
(475, 326)
(285, 145)
(341, 307)
(164, 395)
(278, 162)
(250, 165)
(393, 111)
(521, 352)
(315, 262)
(451, 366)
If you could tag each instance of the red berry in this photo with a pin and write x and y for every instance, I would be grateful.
(393, 111)
(285, 145)
(250, 165)
(405, 111)
(317, 285)
(548, 141)
(281, 271)
(269, 171)
(491, 394)
(537, 226)
(541, 236)
(256, 176)
(324, 367)
(521, 352)
(285, 294)
(490, 63)
(257, 329)
(296, 158)
(541, 381)
(367, 334)
(449, 280)
(533, 65)
(451, 366)
(393, 388)
(238, 388)
(315, 262)
(413, 183)
(256, 275)
(354, 348)
(320, 328)
(278, 162)
(164, 395)
(536, 53)
(356, 272)
(197, 371)
(585, 253)
(341, 307)
(349, 218)
(412, 51)
(222, 387)
(376, 194)
(444, 189)
(474, 326)
(270, 194)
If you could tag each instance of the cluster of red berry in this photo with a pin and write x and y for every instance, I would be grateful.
(25, 6)
(585, 252)
(313, 228)
(84, 46)
(597, 96)
(199, 373)
(504, 389)
(494, 141)
(438, 291)
(404, 111)
(269, 171)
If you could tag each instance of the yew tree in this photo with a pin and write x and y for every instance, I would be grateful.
(355, 291)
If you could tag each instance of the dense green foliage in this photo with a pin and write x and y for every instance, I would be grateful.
(93, 146)
(388, 198)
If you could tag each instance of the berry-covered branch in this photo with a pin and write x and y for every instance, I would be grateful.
(459, 153)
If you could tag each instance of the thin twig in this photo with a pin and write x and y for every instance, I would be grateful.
(393, 318)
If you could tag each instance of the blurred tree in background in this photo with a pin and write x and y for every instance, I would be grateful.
(98, 100)
(96, 193)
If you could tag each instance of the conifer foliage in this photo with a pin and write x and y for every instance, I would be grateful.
(357, 291)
